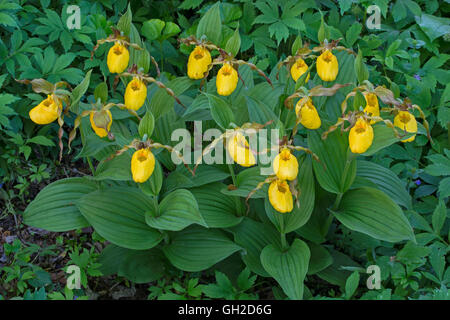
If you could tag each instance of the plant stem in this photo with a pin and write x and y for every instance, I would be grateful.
(233, 176)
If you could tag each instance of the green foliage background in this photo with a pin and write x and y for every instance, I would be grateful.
(409, 55)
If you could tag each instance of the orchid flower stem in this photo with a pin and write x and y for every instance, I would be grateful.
(235, 198)
(233, 176)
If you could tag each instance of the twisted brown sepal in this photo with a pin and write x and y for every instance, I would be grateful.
(39, 85)
(115, 37)
(254, 68)
(258, 187)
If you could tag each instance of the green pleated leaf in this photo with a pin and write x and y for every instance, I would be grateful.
(139, 266)
(176, 211)
(288, 267)
(385, 180)
(162, 103)
(118, 215)
(383, 137)
(335, 274)
(196, 248)
(331, 172)
(254, 236)
(54, 207)
(218, 210)
(372, 212)
(246, 181)
(124, 23)
(220, 111)
(118, 168)
(205, 174)
(320, 258)
(210, 25)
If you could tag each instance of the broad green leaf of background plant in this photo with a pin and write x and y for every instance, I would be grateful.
(54, 207)
(211, 25)
(196, 248)
(385, 180)
(333, 172)
(176, 211)
(139, 266)
(254, 236)
(218, 210)
(118, 215)
(372, 212)
(288, 267)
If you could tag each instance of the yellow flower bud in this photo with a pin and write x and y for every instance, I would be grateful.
(101, 120)
(361, 136)
(227, 79)
(407, 122)
(239, 150)
(309, 116)
(299, 68)
(46, 112)
(198, 63)
(118, 58)
(142, 165)
(135, 94)
(327, 66)
(280, 196)
(372, 108)
(285, 165)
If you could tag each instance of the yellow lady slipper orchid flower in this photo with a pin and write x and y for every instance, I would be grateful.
(407, 122)
(372, 108)
(118, 58)
(309, 116)
(46, 112)
(285, 165)
(198, 63)
(142, 165)
(239, 150)
(280, 196)
(327, 66)
(100, 120)
(361, 136)
(135, 94)
(227, 79)
(299, 68)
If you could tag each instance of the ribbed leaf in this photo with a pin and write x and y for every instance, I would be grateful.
(332, 153)
(118, 215)
(175, 212)
(220, 111)
(211, 25)
(288, 267)
(246, 181)
(372, 212)
(385, 180)
(253, 236)
(196, 248)
(118, 168)
(383, 137)
(218, 210)
(205, 174)
(139, 266)
(54, 207)
(320, 258)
